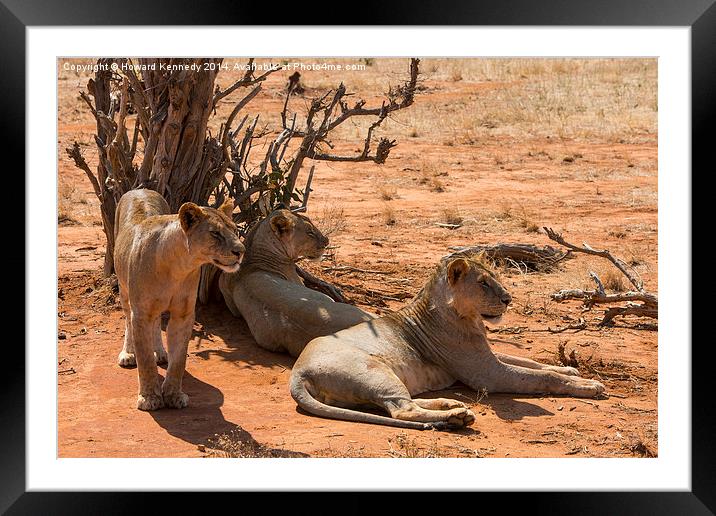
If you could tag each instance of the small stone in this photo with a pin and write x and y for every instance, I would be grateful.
(560, 407)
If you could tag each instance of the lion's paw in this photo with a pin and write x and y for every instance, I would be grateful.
(176, 400)
(461, 417)
(569, 371)
(149, 402)
(126, 359)
(588, 388)
(448, 404)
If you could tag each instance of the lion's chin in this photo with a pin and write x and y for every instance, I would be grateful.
(227, 268)
(493, 320)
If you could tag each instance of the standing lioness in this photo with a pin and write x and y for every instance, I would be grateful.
(157, 257)
(436, 339)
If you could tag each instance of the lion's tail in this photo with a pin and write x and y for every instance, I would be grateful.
(310, 404)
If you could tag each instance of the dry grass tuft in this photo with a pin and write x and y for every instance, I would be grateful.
(429, 174)
(640, 446)
(451, 216)
(68, 200)
(332, 220)
(387, 192)
(388, 214)
(614, 280)
(401, 446)
(455, 75)
(617, 233)
(239, 444)
(436, 185)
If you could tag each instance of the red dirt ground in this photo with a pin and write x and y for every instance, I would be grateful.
(500, 185)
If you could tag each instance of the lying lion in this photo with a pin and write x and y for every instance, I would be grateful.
(436, 339)
(283, 314)
(157, 257)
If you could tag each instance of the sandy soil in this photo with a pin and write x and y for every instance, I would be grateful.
(503, 180)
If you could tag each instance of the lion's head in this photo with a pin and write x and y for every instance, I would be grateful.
(474, 290)
(298, 236)
(212, 234)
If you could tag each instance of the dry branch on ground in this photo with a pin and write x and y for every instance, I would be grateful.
(531, 257)
(640, 302)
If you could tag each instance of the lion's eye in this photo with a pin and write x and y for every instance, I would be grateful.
(217, 236)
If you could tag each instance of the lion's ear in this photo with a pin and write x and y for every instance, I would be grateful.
(281, 223)
(190, 215)
(227, 208)
(456, 270)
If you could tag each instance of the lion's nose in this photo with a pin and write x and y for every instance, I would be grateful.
(506, 298)
(239, 250)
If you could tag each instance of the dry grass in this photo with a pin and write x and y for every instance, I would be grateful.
(451, 216)
(429, 176)
(387, 192)
(640, 446)
(617, 233)
(71, 205)
(239, 444)
(388, 215)
(614, 280)
(402, 446)
(332, 219)
(535, 97)
(436, 185)
(520, 217)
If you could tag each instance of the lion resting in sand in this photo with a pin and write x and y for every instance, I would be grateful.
(282, 313)
(157, 257)
(436, 339)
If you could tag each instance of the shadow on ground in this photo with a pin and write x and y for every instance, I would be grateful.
(203, 424)
(217, 321)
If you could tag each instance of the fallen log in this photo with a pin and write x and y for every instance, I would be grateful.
(527, 256)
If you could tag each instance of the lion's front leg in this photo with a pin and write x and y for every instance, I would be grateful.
(178, 335)
(507, 378)
(531, 364)
(149, 397)
(126, 357)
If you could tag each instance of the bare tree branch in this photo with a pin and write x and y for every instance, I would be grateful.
(247, 80)
(640, 311)
(631, 275)
(592, 297)
(650, 303)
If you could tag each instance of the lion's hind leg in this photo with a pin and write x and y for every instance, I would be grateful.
(393, 396)
(411, 410)
(160, 353)
(333, 382)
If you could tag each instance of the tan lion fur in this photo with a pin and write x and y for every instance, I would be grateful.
(434, 341)
(282, 313)
(157, 257)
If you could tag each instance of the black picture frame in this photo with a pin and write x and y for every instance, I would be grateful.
(699, 15)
